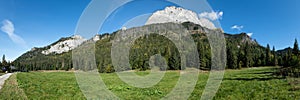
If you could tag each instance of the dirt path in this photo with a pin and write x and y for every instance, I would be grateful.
(3, 78)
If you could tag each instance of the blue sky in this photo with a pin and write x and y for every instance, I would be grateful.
(41, 22)
(271, 21)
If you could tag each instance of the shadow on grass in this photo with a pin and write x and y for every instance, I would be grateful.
(267, 75)
(272, 73)
(255, 78)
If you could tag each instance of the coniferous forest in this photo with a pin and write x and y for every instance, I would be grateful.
(242, 52)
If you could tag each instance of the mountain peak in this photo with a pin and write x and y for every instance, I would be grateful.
(64, 45)
(77, 37)
(178, 15)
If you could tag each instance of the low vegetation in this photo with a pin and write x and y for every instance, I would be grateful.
(249, 83)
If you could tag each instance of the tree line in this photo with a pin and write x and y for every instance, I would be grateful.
(289, 59)
(5, 65)
(240, 53)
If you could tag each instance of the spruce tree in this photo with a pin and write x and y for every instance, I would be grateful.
(295, 57)
(296, 48)
(268, 55)
(275, 61)
(4, 63)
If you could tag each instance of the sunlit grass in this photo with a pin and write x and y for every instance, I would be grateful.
(50, 85)
(252, 83)
(255, 83)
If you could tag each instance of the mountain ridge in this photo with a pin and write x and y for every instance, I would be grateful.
(33, 59)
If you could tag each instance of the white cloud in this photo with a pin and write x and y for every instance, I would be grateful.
(237, 27)
(212, 15)
(249, 34)
(9, 29)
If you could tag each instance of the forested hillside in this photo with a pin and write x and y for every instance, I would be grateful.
(242, 51)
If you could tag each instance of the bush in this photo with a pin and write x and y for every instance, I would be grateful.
(109, 69)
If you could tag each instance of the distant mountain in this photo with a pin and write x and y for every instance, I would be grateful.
(284, 51)
(242, 37)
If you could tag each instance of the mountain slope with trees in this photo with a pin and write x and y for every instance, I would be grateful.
(242, 51)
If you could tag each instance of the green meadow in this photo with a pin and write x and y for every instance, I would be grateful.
(248, 83)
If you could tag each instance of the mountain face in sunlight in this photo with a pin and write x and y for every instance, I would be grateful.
(178, 15)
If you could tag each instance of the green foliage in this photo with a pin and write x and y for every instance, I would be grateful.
(150, 45)
(289, 58)
(232, 60)
(268, 55)
(5, 64)
(109, 69)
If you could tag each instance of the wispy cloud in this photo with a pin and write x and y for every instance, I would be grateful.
(238, 27)
(9, 29)
(212, 15)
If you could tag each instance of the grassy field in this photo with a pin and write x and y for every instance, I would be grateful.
(252, 83)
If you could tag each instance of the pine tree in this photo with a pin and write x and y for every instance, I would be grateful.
(5, 64)
(275, 61)
(295, 59)
(296, 48)
(4, 61)
(268, 55)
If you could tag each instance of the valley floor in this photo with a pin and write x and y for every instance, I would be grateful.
(251, 83)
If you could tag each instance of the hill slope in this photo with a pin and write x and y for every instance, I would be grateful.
(141, 50)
